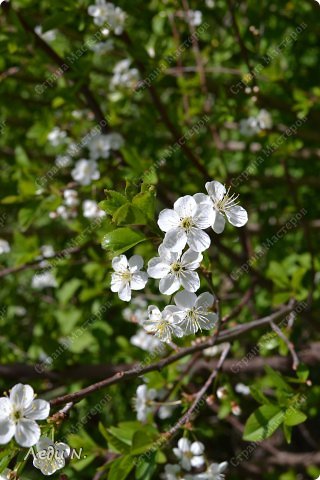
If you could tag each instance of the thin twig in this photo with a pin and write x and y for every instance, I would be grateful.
(295, 359)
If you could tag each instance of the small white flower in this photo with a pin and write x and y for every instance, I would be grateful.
(223, 205)
(137, 311)
(127, 276)
(143, 402)
(102, 47)
(101, 145)
(85, 172)
(48, 36)
(192, 312)
(163, 324)
(124, 76)
(4, 246)
(242, 389)
(57, 137)
(146, 342)
(171, 472)
(194, 17)
(91, 209)
(18, 414)
(264, 119)
(249, 126)
(6, 474)
(106, 13)
(175, 271)
(71, 197)
(43, 280)
(51, 456)
(184, 224)
(213, 472)
(189, 454)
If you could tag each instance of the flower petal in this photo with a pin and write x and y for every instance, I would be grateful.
(38, 410)
(237, 216)
(5, 408)
(169, 284)
(135, 263)
(219, 223)
(116, 282)
(27, 432)
(191, 260)
(216, 190)
(185, 206)
(197, 461)
(21, 396)
(205, 300)
(198, 240)
(190, 281)
(175, 239)
(204, 217)
(203, 199)
(7, 430)
(120, 264)
(138, 280)
(125, 292)
(168, 219)
(157, 268)
(185, 300)
(197, 448)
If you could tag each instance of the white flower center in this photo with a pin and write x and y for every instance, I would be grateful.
(176, 268)
(187, 223)
(226, 202)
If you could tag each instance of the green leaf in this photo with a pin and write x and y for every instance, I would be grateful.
(294, 417)
(121, 240)
(145, 469)
(141, 442)
(259, 396)
(145, 201)
(277, 380)
(263, 422)
(67, 290)
(114, 201)
(287, 432)
(121, 468)
(303, 372)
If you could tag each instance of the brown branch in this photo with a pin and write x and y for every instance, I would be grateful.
(138, 370)
(289, 344)
(199, 395)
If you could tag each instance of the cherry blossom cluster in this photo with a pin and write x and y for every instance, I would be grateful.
(179, 257)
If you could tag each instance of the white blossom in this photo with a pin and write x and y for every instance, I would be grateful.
(253, 125)
(106, 13)
(57, 137)
(51, 456)
(91, 209)
(124, 76)
(48, 36)
(171, 472)
(192, 312)
(85, 172)
(143, 402)
(18, 413)
(175, 270)
(101, 146)
(224, 205)
(242, 389)
(137, 311)
(71, 197)
(163, 324)
(146, 342)
(185, 224)
(43, 280)
(189, 454)
(127, 276)
(194, 17)
(213, 472)
(4, 246)
(102, 47)
(7, 473)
